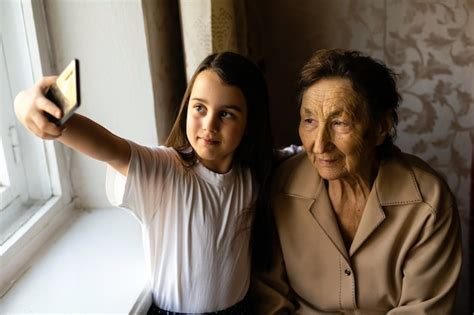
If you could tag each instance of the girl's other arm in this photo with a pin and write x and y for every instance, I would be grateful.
(79, 133)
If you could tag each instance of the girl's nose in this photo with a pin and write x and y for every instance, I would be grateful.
(211, 123)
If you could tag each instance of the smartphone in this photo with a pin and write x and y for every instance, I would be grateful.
(65, 92)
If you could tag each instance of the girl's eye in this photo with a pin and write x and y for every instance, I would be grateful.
(198, 108)
(226, 115)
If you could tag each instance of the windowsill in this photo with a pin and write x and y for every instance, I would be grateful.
(15, 215)
(95, 266)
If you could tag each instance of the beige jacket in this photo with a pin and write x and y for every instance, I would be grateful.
(405, 257)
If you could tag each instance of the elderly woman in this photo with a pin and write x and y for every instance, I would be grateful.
(363, 228)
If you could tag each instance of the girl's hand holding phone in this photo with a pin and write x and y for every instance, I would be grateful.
(31, 106)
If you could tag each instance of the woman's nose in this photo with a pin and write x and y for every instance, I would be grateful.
(322, 141)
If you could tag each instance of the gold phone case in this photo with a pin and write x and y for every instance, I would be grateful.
(65, 92)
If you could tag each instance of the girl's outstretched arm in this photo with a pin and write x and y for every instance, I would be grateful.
(79, 133)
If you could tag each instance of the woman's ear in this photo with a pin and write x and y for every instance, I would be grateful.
(383, 128)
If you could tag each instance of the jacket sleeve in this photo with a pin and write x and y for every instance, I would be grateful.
(432, 267)
(270, 293)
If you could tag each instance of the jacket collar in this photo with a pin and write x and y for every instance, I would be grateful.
(395, 184)
(301, 178)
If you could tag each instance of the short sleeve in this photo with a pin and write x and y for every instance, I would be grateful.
(114, 186)
(141, 191)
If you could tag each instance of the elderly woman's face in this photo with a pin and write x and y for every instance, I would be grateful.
(333, 128)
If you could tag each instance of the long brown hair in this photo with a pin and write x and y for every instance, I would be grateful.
(255, 150)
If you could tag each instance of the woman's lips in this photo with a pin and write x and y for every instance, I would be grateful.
(327, 161)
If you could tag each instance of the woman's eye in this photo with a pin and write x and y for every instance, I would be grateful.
(309, 121)
(341, 125)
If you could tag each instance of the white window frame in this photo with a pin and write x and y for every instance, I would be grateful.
(12, 177)
(17, 253)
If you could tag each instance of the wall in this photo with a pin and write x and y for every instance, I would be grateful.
(108, 37)
(430, 44)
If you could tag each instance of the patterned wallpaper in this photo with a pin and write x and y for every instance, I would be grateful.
(431, 45)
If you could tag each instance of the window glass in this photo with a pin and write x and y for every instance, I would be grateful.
(24, 178)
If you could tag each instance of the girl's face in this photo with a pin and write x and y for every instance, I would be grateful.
(216, 120)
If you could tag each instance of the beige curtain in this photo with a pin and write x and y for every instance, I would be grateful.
(163, 34)
(210, 26)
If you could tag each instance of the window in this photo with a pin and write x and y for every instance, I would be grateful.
(34, 200)
(17, 204)
(11, 177)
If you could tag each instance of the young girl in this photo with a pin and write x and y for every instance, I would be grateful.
(196, 197)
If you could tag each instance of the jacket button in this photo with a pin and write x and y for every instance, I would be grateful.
(347, 272)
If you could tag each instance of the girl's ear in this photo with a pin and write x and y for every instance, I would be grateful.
(383, 128)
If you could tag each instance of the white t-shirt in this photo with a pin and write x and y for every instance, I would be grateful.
(196, 228)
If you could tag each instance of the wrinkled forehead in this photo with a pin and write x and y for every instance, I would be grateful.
(331, 95)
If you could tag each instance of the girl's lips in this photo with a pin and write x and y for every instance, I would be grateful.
(209, 141)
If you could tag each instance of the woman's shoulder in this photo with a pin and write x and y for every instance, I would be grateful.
(432, 186)
(423, 172)
(296, 176)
